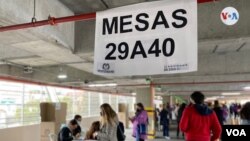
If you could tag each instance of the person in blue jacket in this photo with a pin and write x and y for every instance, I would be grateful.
(66, 133)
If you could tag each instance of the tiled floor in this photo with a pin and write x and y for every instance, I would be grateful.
(159, 136)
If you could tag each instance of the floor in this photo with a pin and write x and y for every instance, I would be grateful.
(159, 136)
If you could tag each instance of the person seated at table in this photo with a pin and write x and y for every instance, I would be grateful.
(95, 127)
(66, 133)
(77, 132)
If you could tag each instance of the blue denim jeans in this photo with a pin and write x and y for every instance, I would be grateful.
(165, 130)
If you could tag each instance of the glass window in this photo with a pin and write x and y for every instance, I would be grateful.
(81, 103)
(20, 103)
(94, 104)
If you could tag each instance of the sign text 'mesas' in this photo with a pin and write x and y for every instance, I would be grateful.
(122, 24)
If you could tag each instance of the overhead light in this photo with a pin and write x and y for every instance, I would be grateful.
(228, 94)
(211, 98)
(214, 98)
(103, 85)
(133, 94)
(62, 76)
(95, 85)
(111, 85)
(246, 88)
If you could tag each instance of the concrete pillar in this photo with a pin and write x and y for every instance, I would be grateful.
(145, 96)
(167, 99)
(123, 114)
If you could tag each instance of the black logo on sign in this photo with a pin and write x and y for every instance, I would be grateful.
(105, 66)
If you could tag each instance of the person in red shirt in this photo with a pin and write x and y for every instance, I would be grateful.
(198, 122)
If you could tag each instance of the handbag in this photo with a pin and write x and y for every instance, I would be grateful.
(120, 132)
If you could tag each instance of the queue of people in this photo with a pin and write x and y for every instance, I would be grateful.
(197, 121)
(109, 128)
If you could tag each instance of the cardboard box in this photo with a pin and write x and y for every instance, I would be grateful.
(123, 114)
(55, 112)
(53, 115)
(47, 128)
(122, 107)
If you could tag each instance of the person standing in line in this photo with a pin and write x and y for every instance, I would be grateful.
(245, 114)
(109, 123)
(198, 122)
(174, 113)
(219, 112)
(140, 122)
(169, 109)
(176, 109)
(236, 111)
(66, 133)
(179, 115)
(225, 113)
(164, 116)
(77, 132)
(158, 119)
(231, 109)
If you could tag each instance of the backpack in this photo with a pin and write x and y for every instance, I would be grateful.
(120, 132)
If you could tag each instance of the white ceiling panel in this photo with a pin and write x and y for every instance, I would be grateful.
(246, 46)
(38, 47)
(117, 3)
(49, 51)
(62, 56)
(84, 66)
(205, 48)
(38, 61)
(228, 47)
(12, 52)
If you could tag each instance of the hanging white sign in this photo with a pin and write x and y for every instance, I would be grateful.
(147, 39)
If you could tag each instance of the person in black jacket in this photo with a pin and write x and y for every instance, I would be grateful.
(78, 130)
(179, 115)
(219, 112)
(164, 121)
(66, 133)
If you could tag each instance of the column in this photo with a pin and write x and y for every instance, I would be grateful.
(167, 99)
(145, 96)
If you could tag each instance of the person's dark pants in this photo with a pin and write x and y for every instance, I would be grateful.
(165, 130)
(141, 140)
(178, 130)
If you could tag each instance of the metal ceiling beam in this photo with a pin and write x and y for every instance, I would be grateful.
(186, 83)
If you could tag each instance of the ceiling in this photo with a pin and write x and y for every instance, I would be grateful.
(223, 50)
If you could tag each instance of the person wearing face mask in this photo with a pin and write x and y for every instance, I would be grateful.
(140, 122)
(198, 122)
(78, 130)
(66, 133)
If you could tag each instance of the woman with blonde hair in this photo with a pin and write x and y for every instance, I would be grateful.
(109, 123)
